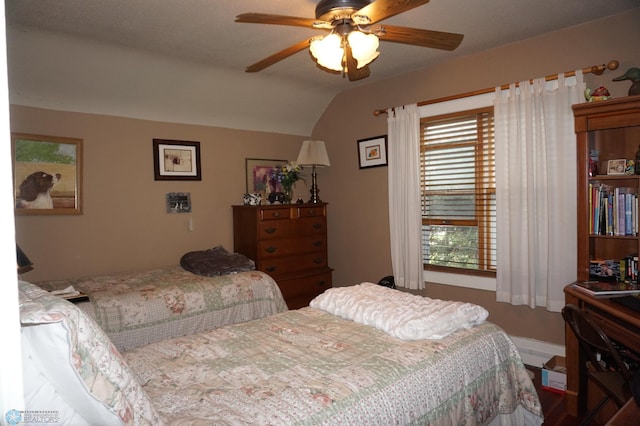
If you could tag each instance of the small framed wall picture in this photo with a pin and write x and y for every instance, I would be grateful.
(176, 160)
(616, 167)
(372, 152)
(178, 202)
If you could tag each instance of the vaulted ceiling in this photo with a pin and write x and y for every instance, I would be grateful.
(146, 45)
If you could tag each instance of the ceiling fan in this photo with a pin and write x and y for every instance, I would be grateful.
(352, 42)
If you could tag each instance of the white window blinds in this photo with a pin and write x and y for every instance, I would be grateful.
(458, 191)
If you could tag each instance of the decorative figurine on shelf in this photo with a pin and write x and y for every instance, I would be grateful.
(600, 94)
(630, 168)
(276, 197)
(594, 158)
(632, 74)
(637, 161)
(252, 199)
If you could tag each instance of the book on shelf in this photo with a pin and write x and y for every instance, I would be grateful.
(607, 289)
(613, 210)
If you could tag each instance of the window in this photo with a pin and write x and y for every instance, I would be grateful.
(458, 192)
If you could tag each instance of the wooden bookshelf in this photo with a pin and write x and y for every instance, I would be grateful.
(613, 129)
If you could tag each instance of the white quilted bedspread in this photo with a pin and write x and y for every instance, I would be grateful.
(399, 314)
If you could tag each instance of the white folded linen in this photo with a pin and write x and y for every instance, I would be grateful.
(66, 292)
(397, 313)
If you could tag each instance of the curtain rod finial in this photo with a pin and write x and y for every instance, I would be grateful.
(613, 65)
(599, 69)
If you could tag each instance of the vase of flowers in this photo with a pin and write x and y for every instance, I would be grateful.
(286, 175)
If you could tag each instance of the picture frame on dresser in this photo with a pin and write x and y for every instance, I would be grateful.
(257, 172)
(176, 160)
(47, 174)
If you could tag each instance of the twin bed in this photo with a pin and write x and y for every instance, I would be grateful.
(335, 362)
(138, 308)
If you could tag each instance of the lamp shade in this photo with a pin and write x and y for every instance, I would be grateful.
(363, 47)
(313, 153)
(328, 51)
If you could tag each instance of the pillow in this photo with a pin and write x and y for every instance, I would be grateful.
(71, 367)
(216, 261)
(50, 381)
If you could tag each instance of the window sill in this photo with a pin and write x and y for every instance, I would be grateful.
(461, 280)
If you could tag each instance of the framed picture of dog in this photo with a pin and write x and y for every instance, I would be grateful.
(176, 160)
(47, 174)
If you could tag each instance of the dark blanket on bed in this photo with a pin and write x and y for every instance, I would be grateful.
(216, 261)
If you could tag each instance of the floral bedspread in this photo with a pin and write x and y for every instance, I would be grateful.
(138, 308)
(99, 371)
(310, 367)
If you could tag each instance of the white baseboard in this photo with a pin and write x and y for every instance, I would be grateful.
(536, 352)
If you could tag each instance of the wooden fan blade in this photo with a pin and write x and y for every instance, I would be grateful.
(276, 57)
(353, 72)
(418, 37)
(383, 9)
(265, 18)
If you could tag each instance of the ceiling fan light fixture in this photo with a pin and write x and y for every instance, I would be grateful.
(328, 51)
(363, 47)
(349, 48)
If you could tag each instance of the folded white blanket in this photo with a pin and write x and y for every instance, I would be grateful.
(399, 314)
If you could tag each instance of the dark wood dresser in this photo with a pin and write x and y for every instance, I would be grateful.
(288, 242)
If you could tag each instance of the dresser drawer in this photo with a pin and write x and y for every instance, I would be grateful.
(279, 266)
(616, 329)
(291, 246)
(276, 229)
(299, 291)
(311, 225)
(275, 214)
(311, 211)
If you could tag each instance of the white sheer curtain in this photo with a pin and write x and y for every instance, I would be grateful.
(536, 191)
(405, 220)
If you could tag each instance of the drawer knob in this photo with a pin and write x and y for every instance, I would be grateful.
(317, 243)
(322, 283)
(271, 249)
(312, 213)
(318, 260)
(317, 226)
(271, 268)
(275, 214)
(270, 230)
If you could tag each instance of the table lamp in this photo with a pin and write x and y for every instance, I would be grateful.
(24, 263)
(314, 154)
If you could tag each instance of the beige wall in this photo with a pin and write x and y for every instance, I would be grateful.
(124, 225)
(358, 221)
